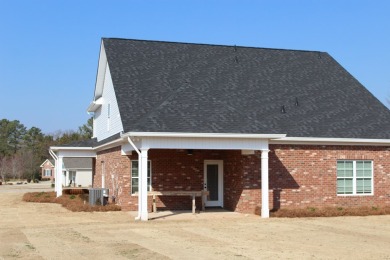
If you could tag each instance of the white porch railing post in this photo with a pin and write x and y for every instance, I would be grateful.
(143, 185)
(58, 182)
(264, 184)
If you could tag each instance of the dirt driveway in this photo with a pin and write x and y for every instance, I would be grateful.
(48, 231)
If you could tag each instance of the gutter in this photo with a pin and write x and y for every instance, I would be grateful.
(54, 156)
(203, 135)
(138, 217)
(330, 141)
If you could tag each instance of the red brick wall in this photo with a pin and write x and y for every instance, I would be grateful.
(171, 170)
(117, 166)
(300, 176)
(303, 176)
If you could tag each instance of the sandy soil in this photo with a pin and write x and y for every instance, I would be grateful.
(48, 231)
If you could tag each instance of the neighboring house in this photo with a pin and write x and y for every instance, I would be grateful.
(48, 169)
(255, 127)
(77, 172)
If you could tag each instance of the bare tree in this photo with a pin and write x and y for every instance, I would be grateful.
(16, 166)
(4, 168)
(27, 163)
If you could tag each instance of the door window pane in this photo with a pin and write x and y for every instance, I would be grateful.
(212, 182)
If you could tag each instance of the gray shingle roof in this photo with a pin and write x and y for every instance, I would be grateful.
(77, 163)
(83, 143)
(199, 88)
(91, 142)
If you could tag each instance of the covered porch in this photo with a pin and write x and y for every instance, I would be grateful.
(211, 162)
(72, 177)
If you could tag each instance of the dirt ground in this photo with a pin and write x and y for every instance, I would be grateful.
(48, 231)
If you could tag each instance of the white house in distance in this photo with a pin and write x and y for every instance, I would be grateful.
(77, 172)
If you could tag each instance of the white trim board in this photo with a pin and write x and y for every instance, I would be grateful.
(330, 141)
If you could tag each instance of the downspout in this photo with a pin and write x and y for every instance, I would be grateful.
(138, 217)
(54, 156)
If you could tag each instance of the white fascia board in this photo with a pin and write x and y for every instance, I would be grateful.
(81, 152)
(101, 73)
(69, 148)
(205, 143)
(203, 135)
(47, 160)
(330, 141)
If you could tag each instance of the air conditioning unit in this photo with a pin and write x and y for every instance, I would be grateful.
(98, 196)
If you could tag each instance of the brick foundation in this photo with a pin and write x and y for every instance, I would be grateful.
(300, 176)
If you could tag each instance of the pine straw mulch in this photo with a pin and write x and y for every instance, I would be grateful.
(72, 202)
(328, 212)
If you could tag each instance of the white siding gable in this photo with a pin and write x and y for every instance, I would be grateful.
(107, 123)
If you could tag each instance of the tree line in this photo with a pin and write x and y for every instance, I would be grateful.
(23, 150)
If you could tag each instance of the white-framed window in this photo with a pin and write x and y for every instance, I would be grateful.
(47, 173)
(135, 176)
(354, 177)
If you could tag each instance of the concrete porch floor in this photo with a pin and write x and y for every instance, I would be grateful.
(210, 213)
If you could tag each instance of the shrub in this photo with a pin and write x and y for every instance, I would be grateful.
(328, 212)
(73, 202)
(41, 197)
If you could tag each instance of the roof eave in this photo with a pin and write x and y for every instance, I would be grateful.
(57, 148)
(203, 135)
(323, 140)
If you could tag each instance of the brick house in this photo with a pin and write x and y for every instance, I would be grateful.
(254, 127)
(48, 169)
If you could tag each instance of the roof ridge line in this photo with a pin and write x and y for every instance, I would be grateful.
(211, 44)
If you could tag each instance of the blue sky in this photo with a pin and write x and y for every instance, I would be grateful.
(49, 49)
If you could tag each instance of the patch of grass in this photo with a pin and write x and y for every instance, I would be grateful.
(72, 202)
(328, 212)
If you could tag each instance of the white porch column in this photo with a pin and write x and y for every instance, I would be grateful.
(58, 182)
(264, 184)
(67, 179)
(143, 185)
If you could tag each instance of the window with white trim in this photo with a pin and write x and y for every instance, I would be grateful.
(354, 177)
(47, 173)
(135, 177)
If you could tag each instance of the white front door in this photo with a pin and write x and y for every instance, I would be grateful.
(213, 182)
